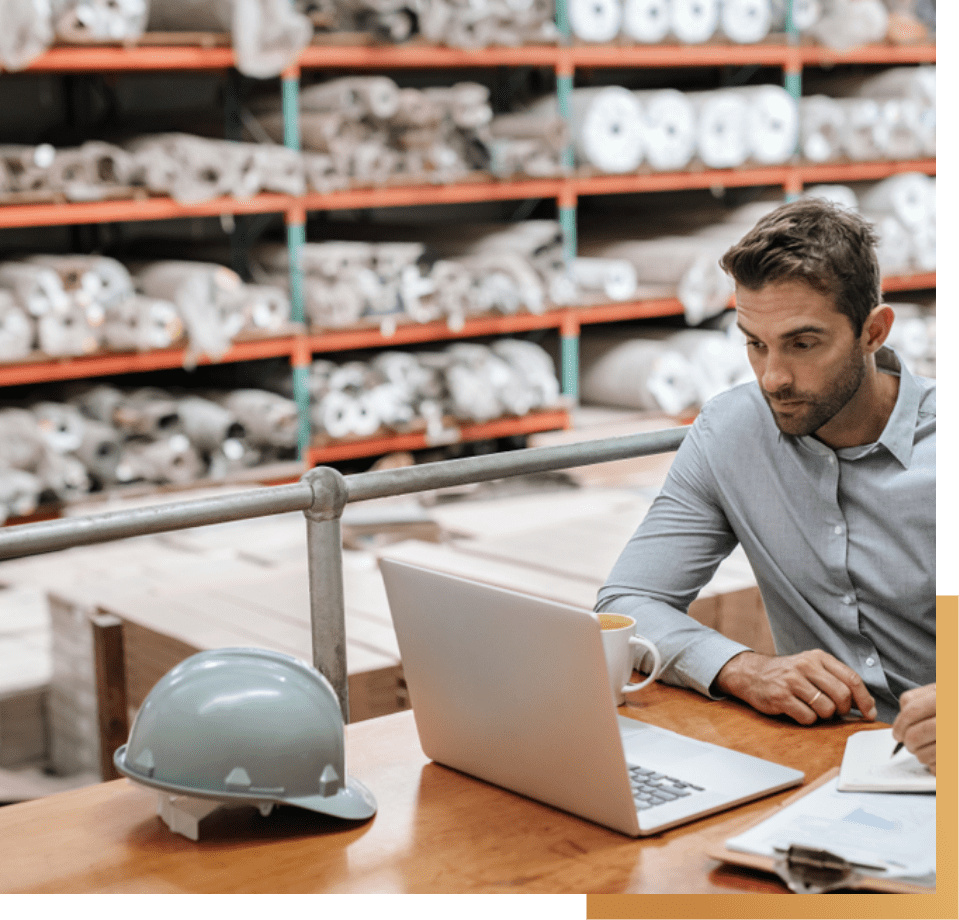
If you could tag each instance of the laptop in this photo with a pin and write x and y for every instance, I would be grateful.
(513, 689)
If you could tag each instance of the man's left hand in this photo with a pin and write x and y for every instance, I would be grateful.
(916, 724)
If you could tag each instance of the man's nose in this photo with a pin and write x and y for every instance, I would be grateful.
(775, 374)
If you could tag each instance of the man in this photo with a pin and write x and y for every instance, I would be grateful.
(824, 470)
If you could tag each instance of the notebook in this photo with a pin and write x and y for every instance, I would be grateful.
(869, 765)
(513, 689)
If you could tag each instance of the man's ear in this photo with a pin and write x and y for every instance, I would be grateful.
(877, 326)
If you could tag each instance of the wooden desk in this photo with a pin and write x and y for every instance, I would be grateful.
(436, 830)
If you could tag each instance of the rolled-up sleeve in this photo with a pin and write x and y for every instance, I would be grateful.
(668, 560)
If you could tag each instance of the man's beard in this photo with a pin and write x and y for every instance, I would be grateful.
(812, 411)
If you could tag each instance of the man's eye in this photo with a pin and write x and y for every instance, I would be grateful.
(754, 344)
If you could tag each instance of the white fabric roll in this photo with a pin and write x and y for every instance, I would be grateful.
(68, 334)
(806, 14)
(905, 137)
(607, 128)
(847, 23)
(27, 31)
(669, 128)
(36, 288)
(646, 21)
(616, 278)
(595, 20)
(910, 196)
(842, 195)
(61, 424)
(142, 323)
(16, 329)
(268, 418)
(745, 21)
(694, 21)
(98, 21)
(821, 128)
(924, 246)
(637, 374)
(895, 249)
(721, 117)
(865, 134)
(353, 97)
(772, 123)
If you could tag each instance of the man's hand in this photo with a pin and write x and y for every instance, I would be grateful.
(916, 724)
(806, 687)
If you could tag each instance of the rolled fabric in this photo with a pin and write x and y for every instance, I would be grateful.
(267, 35)
(821, 128)
(721, 118)
(27, 31)
(207, 424)
(19, 493)
(842, 195)
(207, 296)
(265, 307)
(895, 249)
(21, 444)
(913, 335)
(745, 21)
(646, 21)
(534, 365)
(914, 82)
(334, 414)
(847, 23)
(170, 459)
(694, 21)
(865, 134)
(61, 425)
(636, 374)
(595, 20)
(772, 123)
(353, 97)
(281, 170)
(910, 196)
(905, 130)
(924, 246)
(523, 279)
(90, 22)
(36, 288)
(687, 265)
(805, 14)
(99, 402)
(268, 419)
(607, 127)
(95, 279)
(669, 128)
(187, 168)
(140, 323)
(90, 171)
(147, 412)
(68, 334)
(99, 451)
(616, 278)
(331, 304)
(16, 330)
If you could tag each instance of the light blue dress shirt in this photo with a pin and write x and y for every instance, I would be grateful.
(842, 542)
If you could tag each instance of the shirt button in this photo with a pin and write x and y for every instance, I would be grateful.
(831, 459)
(847, 599)
(870, 661)
(837, 529)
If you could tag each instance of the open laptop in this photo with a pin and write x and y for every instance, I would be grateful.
(513, 689)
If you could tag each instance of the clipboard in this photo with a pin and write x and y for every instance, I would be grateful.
(808, 871)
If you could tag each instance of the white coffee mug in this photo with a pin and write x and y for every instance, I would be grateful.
(620, 644)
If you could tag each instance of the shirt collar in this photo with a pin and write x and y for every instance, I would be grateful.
(898, 436)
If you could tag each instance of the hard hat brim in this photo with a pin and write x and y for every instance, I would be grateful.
(353, 802)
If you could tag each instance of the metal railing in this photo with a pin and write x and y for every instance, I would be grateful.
(321, 494)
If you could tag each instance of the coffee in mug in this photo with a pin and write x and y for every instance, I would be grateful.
(620, 643)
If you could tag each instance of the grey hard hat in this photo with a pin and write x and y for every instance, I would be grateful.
(245, 724)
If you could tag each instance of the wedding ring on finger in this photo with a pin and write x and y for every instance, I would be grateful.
(816, 697)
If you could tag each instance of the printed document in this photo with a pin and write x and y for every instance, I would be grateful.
(868, 765)
(894, 831)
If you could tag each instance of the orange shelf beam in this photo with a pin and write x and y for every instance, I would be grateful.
(774, 52)
(919, 282)
(549, 420)
(101, 365)
(482, 189)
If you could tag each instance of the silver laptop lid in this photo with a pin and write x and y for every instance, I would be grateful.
(512, 689)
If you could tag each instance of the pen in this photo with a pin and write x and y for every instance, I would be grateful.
(897, 748)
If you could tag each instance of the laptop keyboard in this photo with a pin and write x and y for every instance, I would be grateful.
(651, 788)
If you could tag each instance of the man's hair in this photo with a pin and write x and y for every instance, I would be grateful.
(812, 240)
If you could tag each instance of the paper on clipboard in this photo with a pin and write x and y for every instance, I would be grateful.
(892, 831)
(867, 766)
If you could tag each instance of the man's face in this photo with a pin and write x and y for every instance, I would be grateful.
(809, 363)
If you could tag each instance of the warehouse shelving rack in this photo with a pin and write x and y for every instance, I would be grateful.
(564, 59)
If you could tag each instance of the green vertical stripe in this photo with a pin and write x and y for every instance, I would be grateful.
(570, 369)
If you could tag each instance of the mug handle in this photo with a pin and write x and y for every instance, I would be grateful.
(640, 641)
